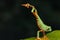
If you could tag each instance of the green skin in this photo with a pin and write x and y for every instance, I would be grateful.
(40, 23)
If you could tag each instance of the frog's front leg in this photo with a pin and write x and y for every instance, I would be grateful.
(44, 37)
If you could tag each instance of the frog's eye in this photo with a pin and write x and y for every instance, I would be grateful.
(49, 29)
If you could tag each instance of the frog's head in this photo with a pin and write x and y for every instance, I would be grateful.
(49, 29)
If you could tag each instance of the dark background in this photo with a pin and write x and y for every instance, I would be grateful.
(17, 22)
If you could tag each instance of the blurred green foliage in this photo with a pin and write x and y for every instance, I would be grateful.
(54, 35)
